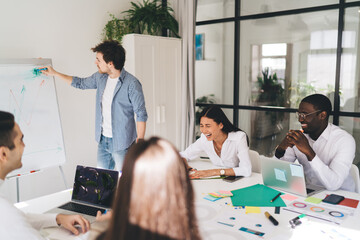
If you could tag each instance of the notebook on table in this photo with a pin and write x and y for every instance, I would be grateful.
(287, 176)
(93, 190)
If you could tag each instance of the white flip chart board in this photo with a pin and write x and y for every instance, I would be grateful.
(31, 97)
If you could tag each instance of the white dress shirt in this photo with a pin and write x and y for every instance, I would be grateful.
(335, 152)
(234, 153)
(106, 104)
(16, 225)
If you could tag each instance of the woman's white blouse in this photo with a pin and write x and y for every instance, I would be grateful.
(234, 153)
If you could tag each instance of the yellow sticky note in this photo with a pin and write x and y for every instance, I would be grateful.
(252, 210)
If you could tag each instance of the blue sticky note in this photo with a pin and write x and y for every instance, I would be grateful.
(296, 170)
(280, 175)
(211, 198)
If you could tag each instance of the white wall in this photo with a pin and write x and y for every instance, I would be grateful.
(210, 70)
(63, 30)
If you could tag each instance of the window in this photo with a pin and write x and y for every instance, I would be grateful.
(294, 44)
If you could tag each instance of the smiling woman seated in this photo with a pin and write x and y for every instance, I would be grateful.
(226, 145)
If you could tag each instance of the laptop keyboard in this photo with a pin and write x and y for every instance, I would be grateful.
(308, 190)
(80, 208)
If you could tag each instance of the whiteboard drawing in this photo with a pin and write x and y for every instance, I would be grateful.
(31, 97)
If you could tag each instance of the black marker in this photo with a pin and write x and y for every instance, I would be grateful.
(276, 197)
(271, 218)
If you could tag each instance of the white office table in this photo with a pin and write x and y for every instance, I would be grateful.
(209, 213)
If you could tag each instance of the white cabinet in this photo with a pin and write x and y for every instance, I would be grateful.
(156, 62)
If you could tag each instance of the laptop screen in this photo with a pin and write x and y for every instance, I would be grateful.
(284, 175)
(95, 186)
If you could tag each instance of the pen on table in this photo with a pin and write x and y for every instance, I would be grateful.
(271, 218)
(275, 197)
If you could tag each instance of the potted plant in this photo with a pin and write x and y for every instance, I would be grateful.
(271, 93)
(271, 90)
(116, 28)
(148, 17)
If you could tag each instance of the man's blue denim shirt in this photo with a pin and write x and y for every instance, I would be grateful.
(128, 99)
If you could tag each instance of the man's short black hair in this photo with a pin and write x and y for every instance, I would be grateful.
(7, 124)
(113, 52)
(320, 102)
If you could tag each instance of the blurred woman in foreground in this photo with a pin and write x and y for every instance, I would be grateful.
(154, 198)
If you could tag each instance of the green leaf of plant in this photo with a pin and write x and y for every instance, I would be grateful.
(143, 17)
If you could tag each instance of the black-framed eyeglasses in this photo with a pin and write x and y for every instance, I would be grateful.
(303, 115)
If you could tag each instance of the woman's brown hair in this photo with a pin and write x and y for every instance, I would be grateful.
(154, 194)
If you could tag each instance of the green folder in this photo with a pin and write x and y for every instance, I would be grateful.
(257, 195)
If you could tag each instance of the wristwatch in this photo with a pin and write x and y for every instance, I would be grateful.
(222, 172)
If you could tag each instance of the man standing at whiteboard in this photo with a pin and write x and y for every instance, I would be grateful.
(119, 97)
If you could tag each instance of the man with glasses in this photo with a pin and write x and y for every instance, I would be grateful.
(325, 150)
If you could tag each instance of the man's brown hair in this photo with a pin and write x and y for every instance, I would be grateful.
(112, 52)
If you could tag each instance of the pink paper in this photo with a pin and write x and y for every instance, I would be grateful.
(288, 197)
(225, 193)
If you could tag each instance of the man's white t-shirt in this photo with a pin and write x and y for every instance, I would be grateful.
(107, 99)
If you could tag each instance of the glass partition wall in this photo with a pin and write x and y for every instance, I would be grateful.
(258, 59)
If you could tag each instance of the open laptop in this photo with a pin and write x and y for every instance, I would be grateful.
(286, 176)
(93, 190)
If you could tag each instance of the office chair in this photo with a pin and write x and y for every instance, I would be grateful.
(255, 161)
(354, 171)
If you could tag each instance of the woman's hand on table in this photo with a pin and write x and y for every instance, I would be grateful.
(203, 173)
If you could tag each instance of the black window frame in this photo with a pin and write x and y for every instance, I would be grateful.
(336, 113)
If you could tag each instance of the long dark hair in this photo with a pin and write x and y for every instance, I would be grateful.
(215, 113)
(154, 194)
